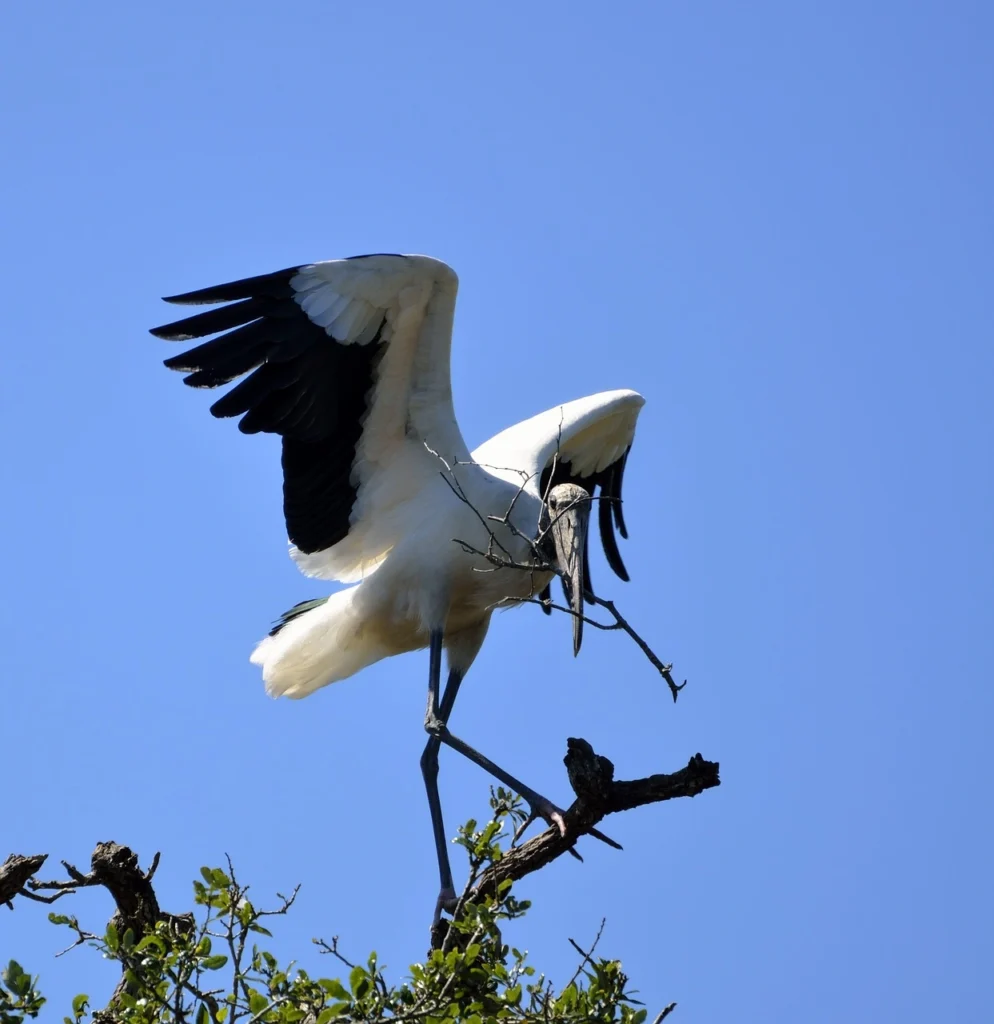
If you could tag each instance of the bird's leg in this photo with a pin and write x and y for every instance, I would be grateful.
(436, 725)
(540, 806)
(436, 715)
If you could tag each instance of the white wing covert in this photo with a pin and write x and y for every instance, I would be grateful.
(585, 442)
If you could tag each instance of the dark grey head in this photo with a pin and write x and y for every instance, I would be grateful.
(567, 513)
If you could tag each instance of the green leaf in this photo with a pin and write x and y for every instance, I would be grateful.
(112, 939)
(330, 1012)
(202, 1015)
(357, 976)
(12, 976)
(58, 918)
(213, 963)
(333, 987)
(567, 1000)
(79, 1003)
(257, 1001)
(207, 875)
(220, 879)
(220, 901)
(262, 931)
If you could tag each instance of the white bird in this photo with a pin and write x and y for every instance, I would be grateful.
(348, 360)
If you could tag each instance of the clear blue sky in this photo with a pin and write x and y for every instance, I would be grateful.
(772, 219)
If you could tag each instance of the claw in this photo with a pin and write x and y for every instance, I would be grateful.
(539, 807)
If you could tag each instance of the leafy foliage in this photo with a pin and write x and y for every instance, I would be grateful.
(19, 996)
(212, 968)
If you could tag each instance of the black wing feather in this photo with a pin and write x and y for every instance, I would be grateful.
(275, 285)
(302, 385)
(619, 508)
(223, 359)
(213, 320)
(608, 540)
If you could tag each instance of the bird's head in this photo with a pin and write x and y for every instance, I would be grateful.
(564, 531)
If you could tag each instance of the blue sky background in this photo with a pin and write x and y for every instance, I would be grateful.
(772, 219)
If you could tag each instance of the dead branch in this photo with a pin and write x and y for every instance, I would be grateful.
(116, 868)
(598, 794)
(15, 874)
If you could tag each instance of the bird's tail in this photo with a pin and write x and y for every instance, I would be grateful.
(316, 643)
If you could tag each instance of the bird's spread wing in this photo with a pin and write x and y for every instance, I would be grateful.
(348, 361)
(585, 442)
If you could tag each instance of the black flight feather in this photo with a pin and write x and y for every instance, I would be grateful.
(275, 285)
(301, 384)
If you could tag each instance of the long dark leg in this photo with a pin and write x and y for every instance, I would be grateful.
(436, 715)
(541, 807)
(436, 724)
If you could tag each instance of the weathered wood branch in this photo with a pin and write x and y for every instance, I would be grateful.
(15, 873)
(116, 868)
(598, 794)
(591, 776)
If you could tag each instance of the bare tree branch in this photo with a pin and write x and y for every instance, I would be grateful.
(15, 874)
(597, 795)
(116, 868)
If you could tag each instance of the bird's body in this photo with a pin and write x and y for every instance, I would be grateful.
(422, 568)
(425, 579)
(348, 360)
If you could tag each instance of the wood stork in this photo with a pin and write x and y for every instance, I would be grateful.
(348, 361)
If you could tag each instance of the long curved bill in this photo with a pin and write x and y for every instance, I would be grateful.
(569, 534)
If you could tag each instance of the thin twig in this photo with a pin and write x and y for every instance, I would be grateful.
(587, 954)
(664, 670)
(620, 622)
(29, 895)
(332, 949)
